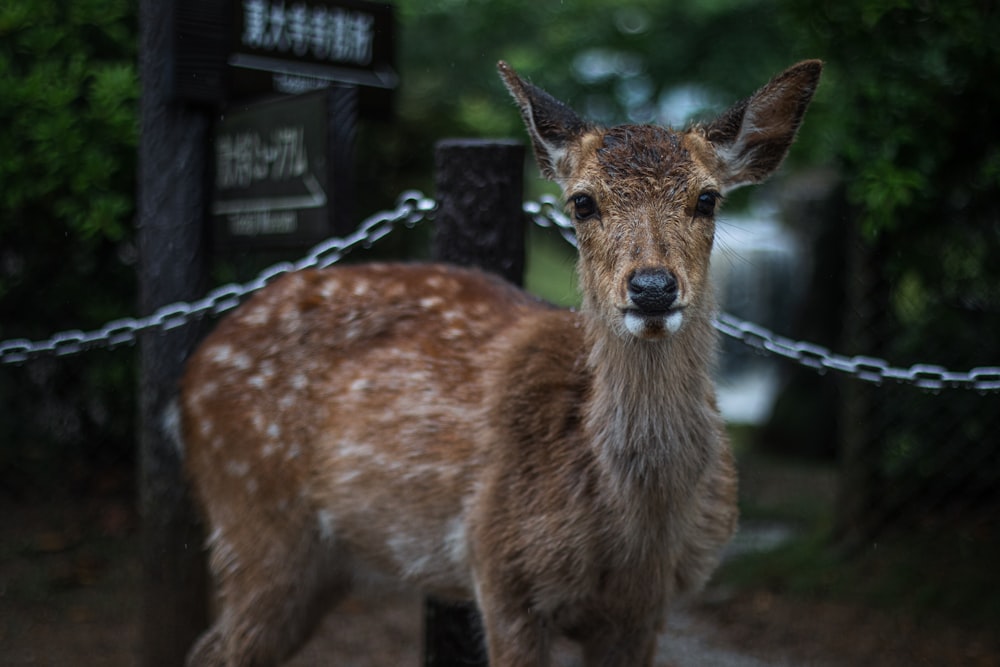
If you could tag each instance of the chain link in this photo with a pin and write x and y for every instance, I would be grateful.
(413, 207)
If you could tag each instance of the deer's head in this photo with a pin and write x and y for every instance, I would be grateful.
(644, 198)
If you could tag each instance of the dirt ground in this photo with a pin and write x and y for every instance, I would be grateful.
(69, 582)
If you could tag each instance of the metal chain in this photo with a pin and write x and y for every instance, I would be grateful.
(547, 213)
(413, 207)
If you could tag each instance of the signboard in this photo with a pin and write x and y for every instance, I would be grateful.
(240, 48)
(277, 182)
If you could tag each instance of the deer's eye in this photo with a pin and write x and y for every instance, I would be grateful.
(707, 202)
(584, 207)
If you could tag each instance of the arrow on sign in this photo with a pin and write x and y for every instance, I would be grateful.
(315, 198)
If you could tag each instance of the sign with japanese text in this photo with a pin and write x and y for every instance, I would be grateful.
(272, 174)
(313, 40)
(229, 48)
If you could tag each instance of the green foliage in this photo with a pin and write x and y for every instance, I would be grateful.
(67, 159)
(68, 108)
(912, 90)
(913, 83)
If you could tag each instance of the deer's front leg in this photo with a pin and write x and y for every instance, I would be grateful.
(515, 636)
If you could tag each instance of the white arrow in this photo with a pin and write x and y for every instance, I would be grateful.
(314, 199)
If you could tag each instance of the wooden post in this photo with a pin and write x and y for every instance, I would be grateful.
(172, 203)
(480, 223)
(342, 130)
(480, 219)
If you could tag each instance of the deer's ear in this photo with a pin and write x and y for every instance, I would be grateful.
(753, 137)
(552, 125)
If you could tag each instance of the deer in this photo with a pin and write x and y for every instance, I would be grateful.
(567, 470)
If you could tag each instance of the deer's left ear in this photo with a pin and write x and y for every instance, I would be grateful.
(753, 137)
(552, 125)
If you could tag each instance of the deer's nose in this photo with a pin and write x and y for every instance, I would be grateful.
(652, 290)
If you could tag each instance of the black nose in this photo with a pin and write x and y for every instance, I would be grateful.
(652, 290)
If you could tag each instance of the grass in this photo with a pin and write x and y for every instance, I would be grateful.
(550, 272)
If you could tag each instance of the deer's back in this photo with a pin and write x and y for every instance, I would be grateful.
(351, 400)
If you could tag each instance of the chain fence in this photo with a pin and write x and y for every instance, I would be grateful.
(413, 207)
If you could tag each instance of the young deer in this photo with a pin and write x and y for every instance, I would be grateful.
(568, 471)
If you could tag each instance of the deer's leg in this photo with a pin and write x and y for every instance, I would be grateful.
(515, 637)
(271, 598)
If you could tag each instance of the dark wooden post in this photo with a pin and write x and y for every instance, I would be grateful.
(342, 130)
(479, 222)
(173, 159)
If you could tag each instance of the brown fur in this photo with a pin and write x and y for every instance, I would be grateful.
(567, 470)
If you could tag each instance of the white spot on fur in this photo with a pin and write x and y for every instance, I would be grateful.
(273, 431)
(360, 288)
(257, 316)
(203, 393)
(361, 384)
(352, 332)
(251, 485)
(225, 355)
(348, 476)
(412, 557)
(299, 381)
(431, 302)
(291, 320)
(329, 288)
(205, 427)
(258, 421)
(220, 354)
(241, 361)
(356, 450)
(237, 468)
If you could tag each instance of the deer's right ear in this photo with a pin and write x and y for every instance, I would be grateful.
(553, 126)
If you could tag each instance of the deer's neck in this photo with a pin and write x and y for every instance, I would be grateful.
(652, 417)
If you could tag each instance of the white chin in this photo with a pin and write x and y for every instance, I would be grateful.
(674, 320)
(644, 326)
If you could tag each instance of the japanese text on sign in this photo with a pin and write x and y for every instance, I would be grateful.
(243, 158)
(335, 34)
